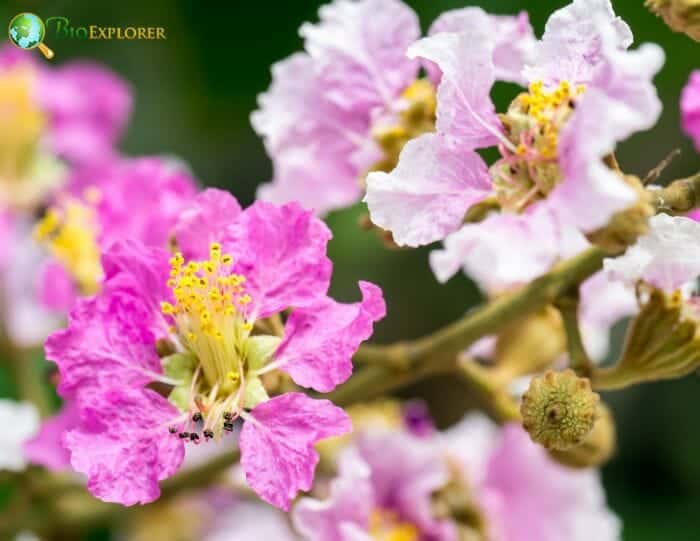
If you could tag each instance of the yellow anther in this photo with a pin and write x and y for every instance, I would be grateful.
(247, 326)
(226, 259)
(233, 376)
(167, 308)
(520, 150)
(245, 299)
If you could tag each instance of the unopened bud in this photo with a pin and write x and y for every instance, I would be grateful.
(628, 225)
(663, 342)
(598, 446)
(680, 15)
(529, 346)
(559, 409)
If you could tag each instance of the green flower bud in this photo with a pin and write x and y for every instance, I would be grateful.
(598, 446)
(559, 409)
(680, 15)
(662, 342)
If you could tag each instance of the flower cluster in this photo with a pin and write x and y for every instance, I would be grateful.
(195, 331)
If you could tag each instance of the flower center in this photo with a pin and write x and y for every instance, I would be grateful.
(532, 124)
(70, 233)
(385, 525)
(415, 116)
(212, 322)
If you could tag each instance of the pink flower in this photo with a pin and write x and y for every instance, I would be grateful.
(329, 108)
(690, 108)
(586, 94)
(383, 489)
(186, 321)
(523, 494)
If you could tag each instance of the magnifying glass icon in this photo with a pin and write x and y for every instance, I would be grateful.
(27, 31)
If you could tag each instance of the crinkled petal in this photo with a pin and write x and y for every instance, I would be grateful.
(621, 101)
(320, 340)
(46, 448)
(281, 250)
(360, 48)
(350, 502)
(204, 221)
(465, 112)
(502, 251)
(572, 45)
(426, 197)
(514, 39)
(124, 446)
(20, 422)
(110, 339)
(533, 498)
(690, 108)
(667, 257)
(277, 444)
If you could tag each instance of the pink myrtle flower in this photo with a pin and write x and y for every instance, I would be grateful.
(187, 321)
(383, 491)
(586, 93)
(523, 494)
(690, 108)
(340, 108)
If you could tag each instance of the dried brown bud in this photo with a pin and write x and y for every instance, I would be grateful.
(559, 409)
(680, 15)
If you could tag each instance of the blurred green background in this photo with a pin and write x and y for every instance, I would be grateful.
(193, 96)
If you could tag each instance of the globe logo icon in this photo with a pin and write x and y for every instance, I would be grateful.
(27, 31)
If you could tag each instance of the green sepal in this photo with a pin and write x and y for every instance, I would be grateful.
(179, 366)
(180, 397)
(255, 393)
(260, 349)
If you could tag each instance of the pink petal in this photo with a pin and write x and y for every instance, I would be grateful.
(124, 446)
(360, 49)
(88, 109)
(690, 108)
(282, 252)
(204, 221)
(514, 39)
(572, 45)
(427, 195)
(46, 448)
(502, 251)
(465, 113)
(351, 502)
(321, 339)
(277, 444)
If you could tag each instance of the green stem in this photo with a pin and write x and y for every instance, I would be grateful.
(400, 364)
(503, 407)
(680, 196)
(578, 358)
